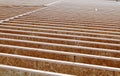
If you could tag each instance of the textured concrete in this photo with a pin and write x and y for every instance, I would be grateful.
(10, 11)
(25, 2)
(57, 66)
(80, 37)
(6, 70)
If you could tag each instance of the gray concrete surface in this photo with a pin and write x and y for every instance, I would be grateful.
(25, 2)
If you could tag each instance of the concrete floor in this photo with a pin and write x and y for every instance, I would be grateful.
(77, 37)
(79, 11)
(25, 2)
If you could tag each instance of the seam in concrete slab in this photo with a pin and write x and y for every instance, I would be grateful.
(27, 13)
(53, 3)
